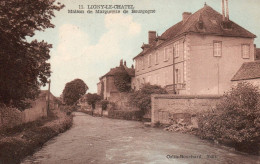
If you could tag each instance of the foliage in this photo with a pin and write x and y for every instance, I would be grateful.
(23, 64)
(142, 97)
(126, 115)
(122, 81)
(104, 104)
(92, 99)
(236, 119)
(73, 91)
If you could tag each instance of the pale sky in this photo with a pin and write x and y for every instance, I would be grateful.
(86, 46)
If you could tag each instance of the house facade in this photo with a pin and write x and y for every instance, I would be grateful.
(106, 85)
(199, 55)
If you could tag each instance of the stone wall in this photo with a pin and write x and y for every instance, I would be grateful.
(38, 110)
(10, 117)
(170, 107)
(121, 100)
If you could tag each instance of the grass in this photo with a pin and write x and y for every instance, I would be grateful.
(23, 140)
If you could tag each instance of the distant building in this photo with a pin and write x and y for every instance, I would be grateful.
(106, 84)
(248, 72)
(198, 55)
(257, 55)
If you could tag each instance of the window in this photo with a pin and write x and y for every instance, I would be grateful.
(149, 60)
(184, 71)
(142, 62)
(177, 76)
(217, 46)
(176, 47)
(157, 79)
(167, 53)
(165, 77)
(149, 79)
(245, 51)
(156, 58)
(136, 65)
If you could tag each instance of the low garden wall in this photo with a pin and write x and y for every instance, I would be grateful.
(167, 108)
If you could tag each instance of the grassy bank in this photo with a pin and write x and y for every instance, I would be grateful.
(23, 140)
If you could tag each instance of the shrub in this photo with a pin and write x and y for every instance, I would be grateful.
(104, 104)
(236, 119)
(68, 109)
(142, 97)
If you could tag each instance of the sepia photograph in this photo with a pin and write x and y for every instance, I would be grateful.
(129, 82)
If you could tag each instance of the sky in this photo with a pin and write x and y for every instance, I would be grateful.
(86, 46)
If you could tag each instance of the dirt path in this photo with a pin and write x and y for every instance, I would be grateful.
(102, 140)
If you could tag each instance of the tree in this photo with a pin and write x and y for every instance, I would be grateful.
(73, 91)
(23, 65)
(142, 97)
(122, 81)
(92, 99)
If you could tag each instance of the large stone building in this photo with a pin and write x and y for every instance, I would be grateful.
(198, 55)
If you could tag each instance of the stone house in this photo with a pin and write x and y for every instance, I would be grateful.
(199, 55)
(106, 84)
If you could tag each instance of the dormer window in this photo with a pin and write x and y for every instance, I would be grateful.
(217, 48)
(245, 51)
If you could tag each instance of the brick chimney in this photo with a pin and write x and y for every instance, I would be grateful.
(185, 16)
(223, 10)
(151, 36)
(124, 63)
(227, 11)
(121, 62)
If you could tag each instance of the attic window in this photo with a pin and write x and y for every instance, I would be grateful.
(226, 25)
(200, 25)
(214, 21)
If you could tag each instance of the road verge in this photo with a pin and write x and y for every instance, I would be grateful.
(21, 141)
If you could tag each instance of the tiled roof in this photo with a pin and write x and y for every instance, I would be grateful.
(249, 70)
(212, 25)
(122, 68)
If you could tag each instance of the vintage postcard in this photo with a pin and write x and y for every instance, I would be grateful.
(129, 81)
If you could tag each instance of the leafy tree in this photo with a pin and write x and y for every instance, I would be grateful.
(142, 97)
(23, 64)
(92, 99)
(73, 91)
(122, 81)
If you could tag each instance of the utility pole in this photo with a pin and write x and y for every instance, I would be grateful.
(48, 99)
